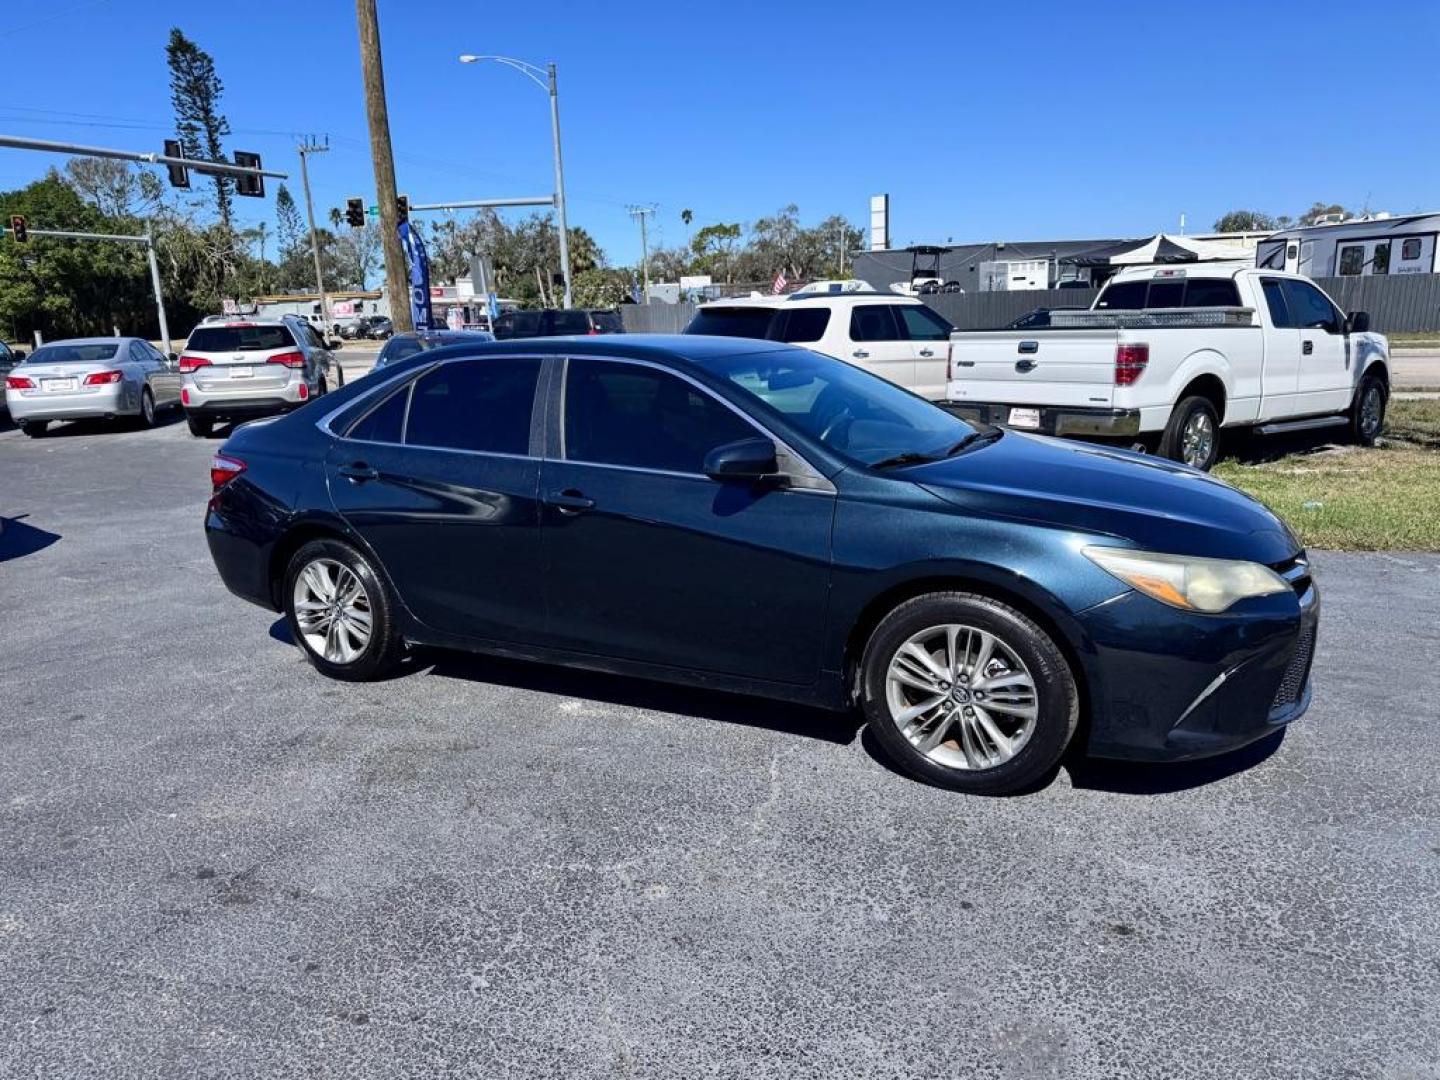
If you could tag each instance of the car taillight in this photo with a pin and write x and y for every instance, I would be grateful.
(192, 363)
(289, 359)
(101, 378)
(224, 469)
(1130, 361)
(18, 382)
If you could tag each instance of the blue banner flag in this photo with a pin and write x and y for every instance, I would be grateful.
(419, 276)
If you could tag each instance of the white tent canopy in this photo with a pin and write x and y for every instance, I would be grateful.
(1160, 248)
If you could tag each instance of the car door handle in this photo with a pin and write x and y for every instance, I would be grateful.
(570, 501)
(860, 354)
(1308, 348)
(927, 352)
(1026, 365)
(358, 472)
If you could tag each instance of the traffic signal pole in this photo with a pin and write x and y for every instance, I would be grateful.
(307, 149)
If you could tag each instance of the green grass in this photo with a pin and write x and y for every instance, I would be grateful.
(1353, 498)
(1414, 337)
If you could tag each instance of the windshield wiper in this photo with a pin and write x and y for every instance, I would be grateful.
(910, 457)
(974, 438)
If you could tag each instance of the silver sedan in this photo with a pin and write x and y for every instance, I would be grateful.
(91, 378)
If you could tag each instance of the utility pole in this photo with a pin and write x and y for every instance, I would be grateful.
(264, 277)
(397, 279)
(306, 149)
(559, 183)
(640, 213)
(155, 282)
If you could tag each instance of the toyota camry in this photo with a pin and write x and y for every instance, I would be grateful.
(756, 517)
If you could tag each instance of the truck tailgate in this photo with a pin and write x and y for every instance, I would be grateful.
(1034, 367)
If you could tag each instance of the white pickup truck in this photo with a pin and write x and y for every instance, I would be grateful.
(1167, 356)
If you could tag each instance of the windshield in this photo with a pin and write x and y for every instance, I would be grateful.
(746, 322)
(239, 338)
(852, 412)
(97, 352)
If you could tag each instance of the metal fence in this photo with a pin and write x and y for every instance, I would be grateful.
(1407, 302)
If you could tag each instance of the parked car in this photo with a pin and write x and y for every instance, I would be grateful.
(554, 321)
(1039, 317)
(376, 327)
(756, 517)
(8, 359)
(897, 338)
(402, 346)
(91, 378)
(240, 370)
(349, 329)
(1166, 357)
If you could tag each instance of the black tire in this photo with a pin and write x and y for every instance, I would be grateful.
(1198, 415)
(35, 428)
(322, 388)
(382, 650)
(146, 417)
(1367, 414)
(200, 426)
(1057, 704)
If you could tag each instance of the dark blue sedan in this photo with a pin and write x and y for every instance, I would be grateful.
(756, 517)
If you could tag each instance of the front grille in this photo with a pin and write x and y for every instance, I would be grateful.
(1296, 571)
(1296, 674)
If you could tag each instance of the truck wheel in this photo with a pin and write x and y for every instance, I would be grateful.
(1193, 434)
(200, 426)
(1367, 415)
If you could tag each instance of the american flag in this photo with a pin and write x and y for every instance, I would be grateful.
(780, 282)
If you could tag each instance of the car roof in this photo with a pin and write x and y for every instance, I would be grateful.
(818, 299)
(105, 339)
(671, 350)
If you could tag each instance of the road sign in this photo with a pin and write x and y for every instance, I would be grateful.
(374, 210)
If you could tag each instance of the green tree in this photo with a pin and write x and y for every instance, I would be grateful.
(195, 92)
(1319, 210)
(289, 230)
(714, 249)
(1245, 221)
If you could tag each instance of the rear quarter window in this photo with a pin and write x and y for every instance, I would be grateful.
(1123, 296)
(802, 325)
(743, 322)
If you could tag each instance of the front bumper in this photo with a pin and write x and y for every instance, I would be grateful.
(1170, 686)
(1055, 419)
(112, 399)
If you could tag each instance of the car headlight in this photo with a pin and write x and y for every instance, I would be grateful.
(1188, 582)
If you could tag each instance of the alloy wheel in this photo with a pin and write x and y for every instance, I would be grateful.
(962, 697)
(1197, 440)
(332, 610)
(1370, 411)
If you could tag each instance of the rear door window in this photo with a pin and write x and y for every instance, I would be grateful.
(481, 405)
(1275, 302)
(922, 324)
(874, 322)
(240, 338)
(743, 322)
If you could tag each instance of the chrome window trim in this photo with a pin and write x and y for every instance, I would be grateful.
(804, 478)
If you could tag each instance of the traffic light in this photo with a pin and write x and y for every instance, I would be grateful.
(18, 229)
(179, 174)
(402, 208)
(252, 184)
(355, 213)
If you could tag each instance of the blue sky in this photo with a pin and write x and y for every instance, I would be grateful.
(983, 121)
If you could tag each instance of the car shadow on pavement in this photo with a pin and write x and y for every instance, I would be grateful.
(70, 429)
(1150, 778)
(18, 539)
(625, 691)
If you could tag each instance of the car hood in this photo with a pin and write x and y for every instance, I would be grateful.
(1149, 502)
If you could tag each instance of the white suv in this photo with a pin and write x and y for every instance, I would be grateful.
(896, 338)
(240, 369)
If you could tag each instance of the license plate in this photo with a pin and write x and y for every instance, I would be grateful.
(241, 371)
(1026, 418)
(58, 384)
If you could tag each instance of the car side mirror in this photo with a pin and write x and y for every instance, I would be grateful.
(18, 354)
(748, 459)
(1357, 322)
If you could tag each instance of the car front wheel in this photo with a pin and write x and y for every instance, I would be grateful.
(968, 693)
(1367, 415)
(339, 611)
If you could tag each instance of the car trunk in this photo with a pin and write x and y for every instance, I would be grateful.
(1035, 367)
(66, 373)
(240, 358)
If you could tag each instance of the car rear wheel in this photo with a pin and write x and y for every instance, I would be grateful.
(1367, 415)
(339, 611)
(35, 428)
(200, 426)
(1193, 434)
(146, 419)
(967, 693)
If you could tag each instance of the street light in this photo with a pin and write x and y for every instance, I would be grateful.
(545, 79)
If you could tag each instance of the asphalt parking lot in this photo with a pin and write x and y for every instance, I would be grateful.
(214, 862)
